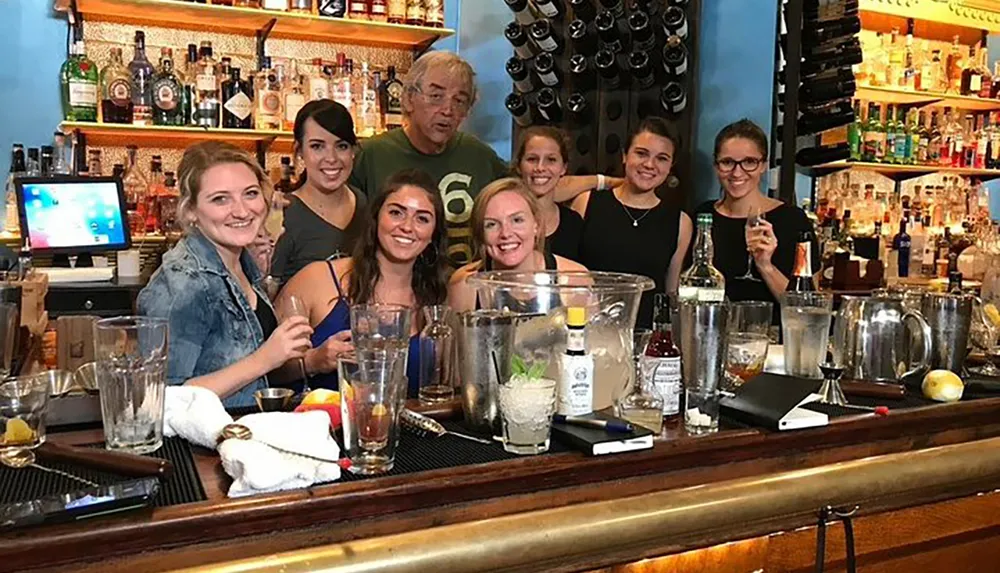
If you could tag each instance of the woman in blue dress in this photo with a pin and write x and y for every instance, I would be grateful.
(398, 259)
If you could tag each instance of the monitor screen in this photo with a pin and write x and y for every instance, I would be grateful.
(65, 214)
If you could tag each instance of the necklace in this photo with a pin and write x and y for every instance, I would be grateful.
(635, 222)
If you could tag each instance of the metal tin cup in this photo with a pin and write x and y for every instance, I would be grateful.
(485, 345)
(703, 353)
(949, 316)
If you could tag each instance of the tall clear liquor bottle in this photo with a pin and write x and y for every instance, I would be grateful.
(142, 83)
(18, 168)
(702, 281)
(207, 82)
(267, 111)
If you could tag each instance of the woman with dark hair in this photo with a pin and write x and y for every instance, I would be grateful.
(740, 163)
(398, 259)
(631, 230)
(320, 219)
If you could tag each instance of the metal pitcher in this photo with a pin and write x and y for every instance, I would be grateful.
(949, 317)
(485, 345)
(877, 338)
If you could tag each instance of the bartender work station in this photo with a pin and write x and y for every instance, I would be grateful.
(500, 285)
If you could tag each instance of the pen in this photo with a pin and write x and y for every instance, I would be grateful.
(607, 425)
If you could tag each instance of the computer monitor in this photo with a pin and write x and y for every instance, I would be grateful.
(69, 215)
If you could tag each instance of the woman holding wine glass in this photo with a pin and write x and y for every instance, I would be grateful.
(755, 236)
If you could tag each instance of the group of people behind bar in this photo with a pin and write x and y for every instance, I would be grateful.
(408, 207)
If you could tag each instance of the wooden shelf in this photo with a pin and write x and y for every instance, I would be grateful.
(922, 99)
(974, 15)
(247, 21)
(122, 134)
(905, 171)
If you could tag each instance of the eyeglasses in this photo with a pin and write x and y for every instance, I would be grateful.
(460, 103)
(747, 164)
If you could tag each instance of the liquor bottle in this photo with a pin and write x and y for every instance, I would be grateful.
(517, 38)
(519, 74)
(607, 68)
(575, 392)
(663, 359)
(901, 152)
(995, 87)
(151, 216)
(548, 105)
(581, 72)
(609, 32)
(889, 127)
(640, 69)
(802, 271)
(547, 71)
(983, 143)
(45, 162)
(675, 57)
(541, 33)
(357, 9)
(393, 101)
(643, 38)
(190, 96)
(551, 9)
(142, 83)
(378, 11)
(167, 92)
(268, 111)
(32, 163)
(246, 4)
(237, 97)
(674, 22)
(702, 281)
(337, 8)
(583, 10)
(279, 5)
(293, 98)
(519, 109)
(416, 13)
(578, 108)
(583, 41)
(18, 168)
(901, 243)
(616, 7)
(522, 11)
(673, 97)
(369, 112)
(854, 132)
(396, 11)
(207, 82)
(62, 154)
(94, 166)
(79, 79)
(986, 87)
(943, 253)
(300, 6)
(934, 142)
(874, 138)
(972, 79)
(134, 184)
(116, 90)
(954, 66)
(434, 10)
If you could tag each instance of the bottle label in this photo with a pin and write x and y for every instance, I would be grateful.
(546, 7)
(82, 93)
(164, 96)
(378, 8)
(397, 9)
(269, 102)
(665, 379)
(293, 103)
(681, 31)
(274, 5)
(319, 88)
(678, 106)
(358, 7)
(525, 85)
(975, 83)
(549, 79)
(435, 12)
(576, 385)
(679, 68)
(239, 105)
(205, 82)
(547, 43)
(120, 92)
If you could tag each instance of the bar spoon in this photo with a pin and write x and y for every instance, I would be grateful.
(22, 458)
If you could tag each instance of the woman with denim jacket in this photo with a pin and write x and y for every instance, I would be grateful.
(398, 259)
(223, 331)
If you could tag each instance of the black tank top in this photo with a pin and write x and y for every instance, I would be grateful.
(613, 242)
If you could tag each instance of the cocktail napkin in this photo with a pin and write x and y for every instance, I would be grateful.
(195, 414)
(257, 465)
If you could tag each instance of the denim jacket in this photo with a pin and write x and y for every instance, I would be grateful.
(211, 322)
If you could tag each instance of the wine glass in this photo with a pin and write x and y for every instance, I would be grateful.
(293, 306)
(754, 219)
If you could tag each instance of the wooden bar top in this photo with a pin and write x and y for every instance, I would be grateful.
(220, 528)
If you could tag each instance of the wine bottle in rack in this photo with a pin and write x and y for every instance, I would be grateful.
(521, 10)
(581, 72)
(810, 124)
(583, 41)
(823, 154)
(616, 7)
(678, 3)
(828, 32)
(547, 71)
(583, 9)
(541, 33)
(835, 107)
(640, 69)
(611, 35)
(673, 97)
(675, 56)
(841, 56)
(650, 7)
(607, 68)
(548, 105)
(827, 90)
(551, 9)
(517, 38)
(578, 108)
(825, 10)
(519, 73)
(641, 31)
(675, 22)
(519, 109)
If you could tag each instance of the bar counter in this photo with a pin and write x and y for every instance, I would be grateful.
(740, 500)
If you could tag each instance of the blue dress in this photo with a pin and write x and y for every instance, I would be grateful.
(339, 320)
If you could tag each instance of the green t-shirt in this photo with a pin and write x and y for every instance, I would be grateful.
(461, 170)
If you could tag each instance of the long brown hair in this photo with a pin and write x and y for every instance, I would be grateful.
(430, 285)
(514, 185)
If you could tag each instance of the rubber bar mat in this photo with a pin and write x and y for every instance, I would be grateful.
(183, 485)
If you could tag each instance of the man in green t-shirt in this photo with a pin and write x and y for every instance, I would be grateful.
(437, 94)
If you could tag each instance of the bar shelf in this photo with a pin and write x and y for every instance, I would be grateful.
(921, 99)
(904, 171)
(121, 134)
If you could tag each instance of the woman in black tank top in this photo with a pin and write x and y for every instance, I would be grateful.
(631, 230)
(507, 235)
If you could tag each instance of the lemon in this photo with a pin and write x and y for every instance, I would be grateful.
(943, 386)
(379, 410)
(992, 313)
(321, 396)
(18, 432)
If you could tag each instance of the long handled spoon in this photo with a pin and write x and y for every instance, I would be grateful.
(22, 458)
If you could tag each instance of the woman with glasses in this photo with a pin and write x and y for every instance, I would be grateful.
(755, 259)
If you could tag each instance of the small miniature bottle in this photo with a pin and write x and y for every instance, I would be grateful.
(664, 360)
(576, 381)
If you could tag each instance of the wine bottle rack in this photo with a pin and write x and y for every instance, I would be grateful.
(598, 137)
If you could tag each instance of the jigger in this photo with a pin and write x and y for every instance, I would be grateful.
(830, 390)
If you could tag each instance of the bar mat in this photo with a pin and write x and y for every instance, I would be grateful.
(183, 485)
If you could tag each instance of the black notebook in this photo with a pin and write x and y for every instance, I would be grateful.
(774, 401)
(596, 442)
